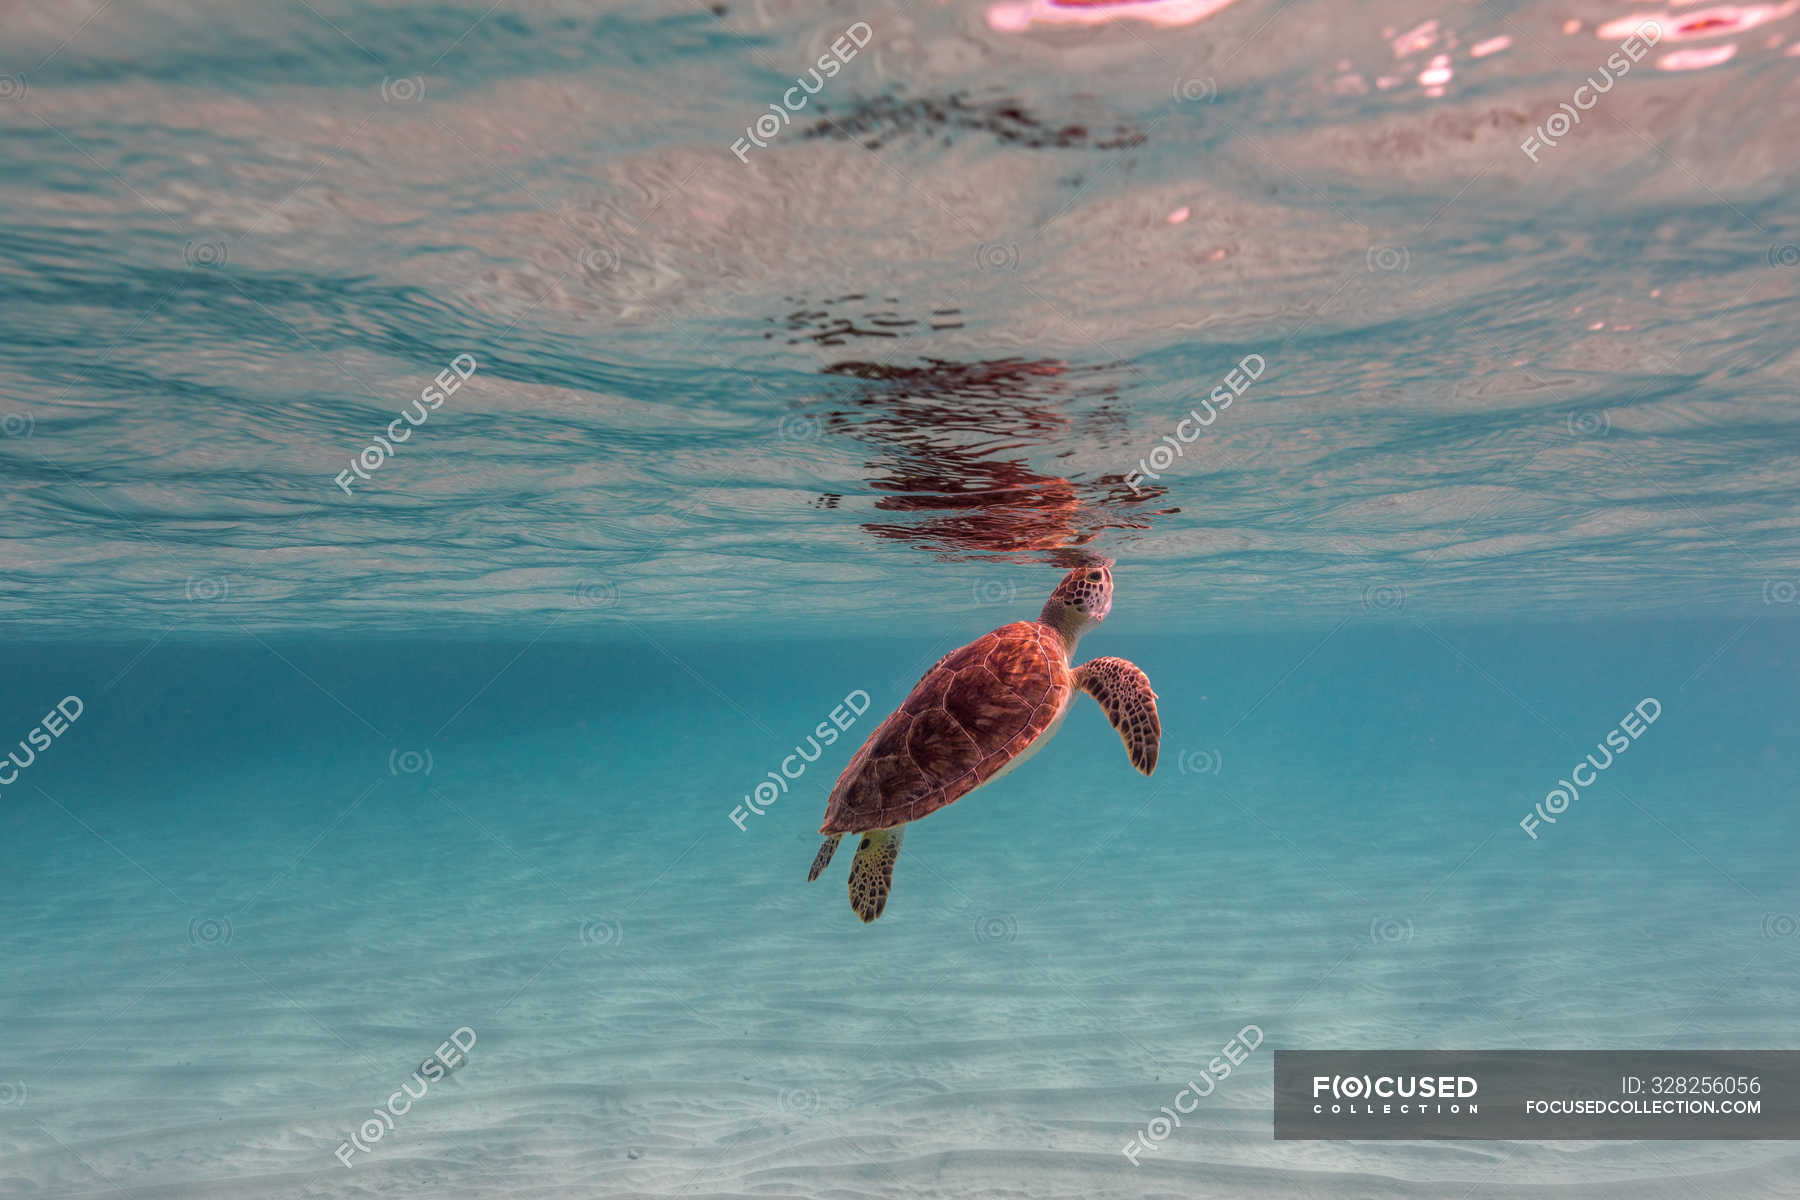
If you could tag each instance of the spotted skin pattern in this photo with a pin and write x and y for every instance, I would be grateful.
(1130, 704)
(1080, 591)
(872, 872)
(824, 856)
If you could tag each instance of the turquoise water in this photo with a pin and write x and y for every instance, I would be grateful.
(447, 749)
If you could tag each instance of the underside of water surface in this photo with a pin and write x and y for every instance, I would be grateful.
(475, 476)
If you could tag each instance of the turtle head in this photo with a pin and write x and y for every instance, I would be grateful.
(1080, 602)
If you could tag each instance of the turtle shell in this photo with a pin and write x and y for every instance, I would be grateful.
(971, 715)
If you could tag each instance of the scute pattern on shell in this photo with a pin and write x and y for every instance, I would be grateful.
(971, 715)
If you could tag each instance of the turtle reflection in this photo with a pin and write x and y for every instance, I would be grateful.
(953, 443)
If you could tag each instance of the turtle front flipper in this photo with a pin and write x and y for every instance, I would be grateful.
(1130, 704)
(824, 856)
(872, 871)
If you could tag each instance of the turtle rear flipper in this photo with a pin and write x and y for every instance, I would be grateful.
(872, 871)
(824, 856)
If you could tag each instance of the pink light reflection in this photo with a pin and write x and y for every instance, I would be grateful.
(1697, 58)
(1706, 23)
(1420, 37)
(1018, 17)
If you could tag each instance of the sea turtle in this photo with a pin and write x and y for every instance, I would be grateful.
(980, 712)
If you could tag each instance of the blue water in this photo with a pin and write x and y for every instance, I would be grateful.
(449, 750)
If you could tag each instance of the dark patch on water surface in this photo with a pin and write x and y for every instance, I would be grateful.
(872, 122)
(942, 428)
(832, 322)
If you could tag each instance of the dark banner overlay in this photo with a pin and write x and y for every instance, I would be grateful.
(1536, 1095)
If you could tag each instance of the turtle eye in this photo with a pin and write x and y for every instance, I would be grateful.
(1093, 577)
